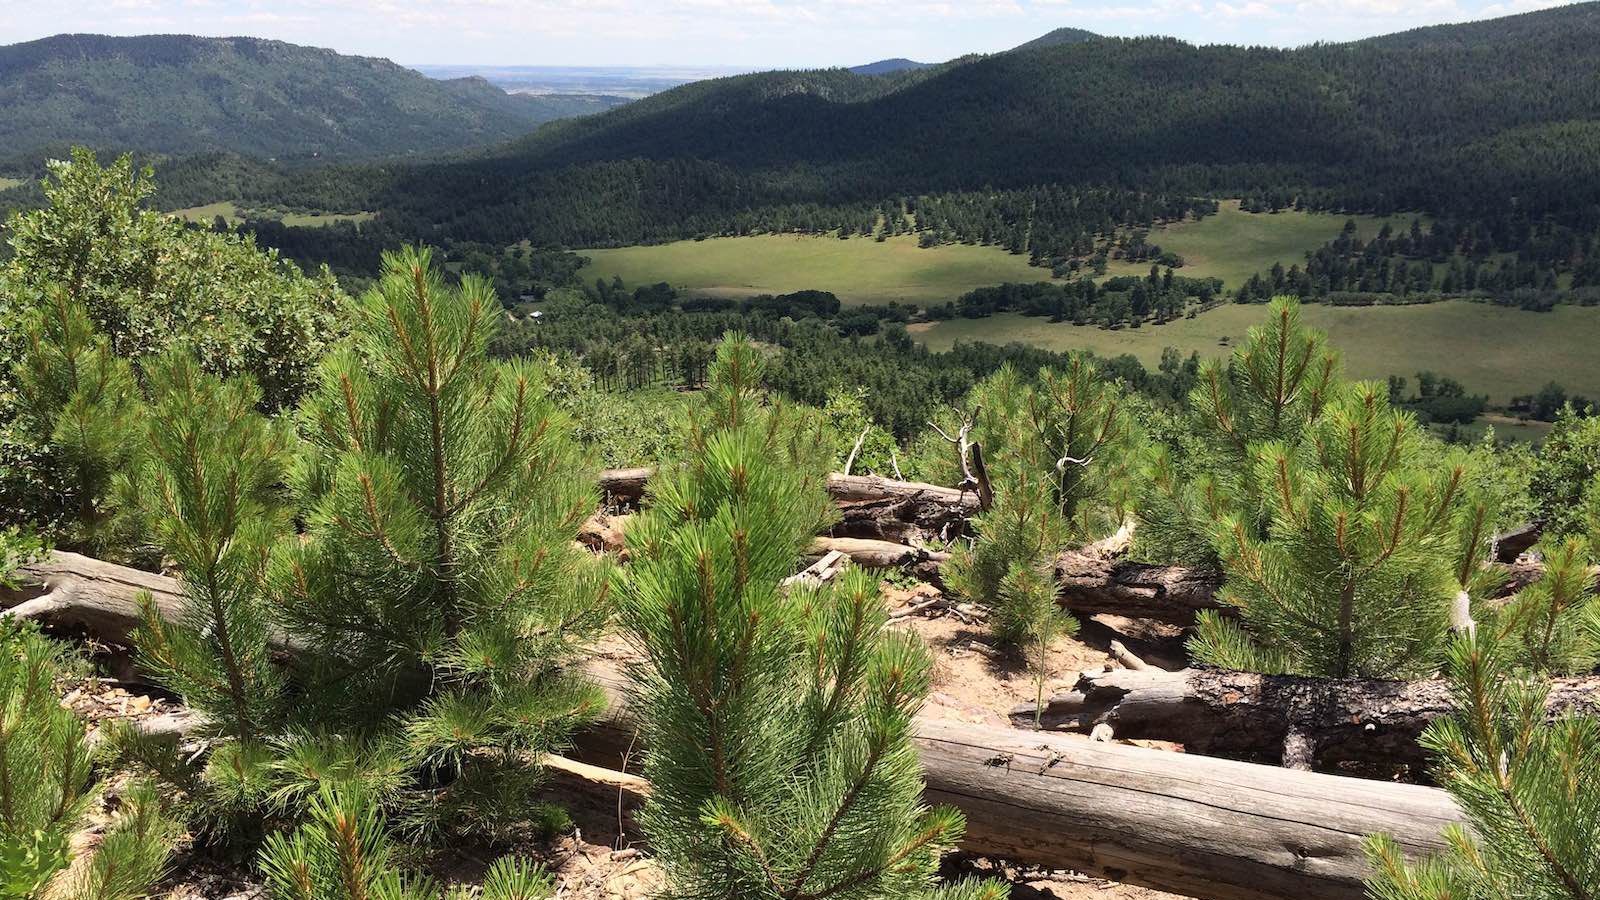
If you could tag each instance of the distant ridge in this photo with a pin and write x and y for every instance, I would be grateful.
(1058, 37)
(185, 94)
(888, 66)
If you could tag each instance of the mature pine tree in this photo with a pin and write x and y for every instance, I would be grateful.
(777, 719)
(1530, 789)
(438, 575)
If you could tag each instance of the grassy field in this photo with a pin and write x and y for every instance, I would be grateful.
(1233, 245)
(1492, 350)
(9, 183)
(234, 215)
(859, 270)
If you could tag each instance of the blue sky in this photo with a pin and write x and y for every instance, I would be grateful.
(741, 33)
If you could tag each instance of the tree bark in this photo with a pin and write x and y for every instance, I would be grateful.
(1177, 822)
(1092, 583)
(1347, 724)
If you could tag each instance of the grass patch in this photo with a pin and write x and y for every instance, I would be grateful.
(858, 270)
(1233, 244)
(1492, 350)
(7, 183)
(230, 211)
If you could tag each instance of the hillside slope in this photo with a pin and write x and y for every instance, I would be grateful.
(182, 94)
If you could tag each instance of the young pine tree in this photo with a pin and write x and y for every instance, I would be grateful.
(1530, 789)
(1058, 450)
(343, 852)
(1276, 385)
(84, 398)
(777, 720)
(208, 489)
(48, 787)
(439, 575)
(1351, 568)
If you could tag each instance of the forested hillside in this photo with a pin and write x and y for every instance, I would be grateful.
(1455, 121)
(183, 94)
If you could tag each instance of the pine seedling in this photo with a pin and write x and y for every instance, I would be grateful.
(1356, 575)
(207, 489)
(47, 788)
(76, 390)
(1274, 388)
(777, 720)
(1058, 450)
(439, 576)
(343, 852)
(1547, 627)
(1529, 788)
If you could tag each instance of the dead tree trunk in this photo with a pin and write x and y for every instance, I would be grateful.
(1346, 724)
(1178, 822)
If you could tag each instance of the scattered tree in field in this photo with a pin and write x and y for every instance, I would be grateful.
(439, 577)
(1530, 789)
(1057, 450)
(776, 719)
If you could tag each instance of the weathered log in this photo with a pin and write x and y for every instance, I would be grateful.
(1346, 724)
(1178, 822)
(1091, 583)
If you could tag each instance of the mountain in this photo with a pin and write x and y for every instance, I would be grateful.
(1463, 124)
(182, 94)
(1058, 37)
(888, 66)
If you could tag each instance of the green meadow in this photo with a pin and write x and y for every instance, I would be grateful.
(9, 183)
(1492, 350)
(858, 270)
(233, 214)
(1231, 245)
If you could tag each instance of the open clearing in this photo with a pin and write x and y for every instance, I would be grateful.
(1231, 245)
(1492, 350)
(231, 212)
(858, 270)
(9, 183)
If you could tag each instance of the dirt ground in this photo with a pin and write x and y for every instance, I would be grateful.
(605, 857)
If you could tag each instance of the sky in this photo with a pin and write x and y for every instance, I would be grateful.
(750, 34)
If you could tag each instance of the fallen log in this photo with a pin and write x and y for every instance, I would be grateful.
(1091, 583)
(1346, 724)
(1177, 822)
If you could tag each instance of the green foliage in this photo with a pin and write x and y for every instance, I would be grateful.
(149, 283)
(342, 852)
(846, 414)
(776, 720)
(1057, 451)
(438, 577)
(208, 488)
(1553, 625)
(1567, 470)
(47, 787)
(73, 389)
(17, 548)
(1530, 789)
(1342, 533)
(1352, 571)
